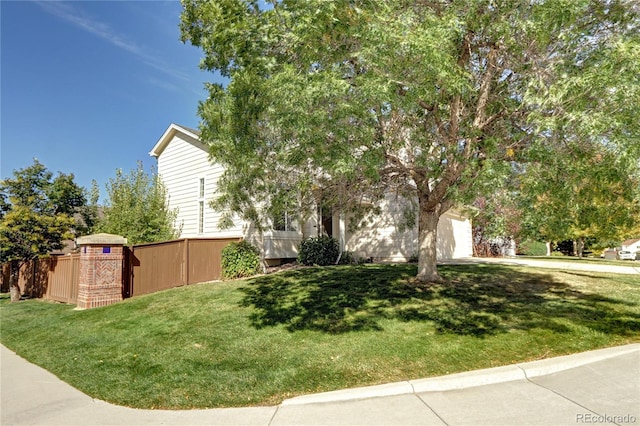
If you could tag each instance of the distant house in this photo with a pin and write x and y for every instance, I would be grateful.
(191, 182)
(632, 245)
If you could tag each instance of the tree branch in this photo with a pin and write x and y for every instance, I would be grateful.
(485, 88)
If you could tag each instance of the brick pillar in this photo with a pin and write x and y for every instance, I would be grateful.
(100, 281)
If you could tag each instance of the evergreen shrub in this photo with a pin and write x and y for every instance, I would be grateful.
(240, 259)
(533, 248)
(319, 251)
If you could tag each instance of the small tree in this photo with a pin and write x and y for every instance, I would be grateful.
(137, 208)
(36, 216)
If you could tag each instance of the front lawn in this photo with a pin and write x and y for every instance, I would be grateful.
(259, 341)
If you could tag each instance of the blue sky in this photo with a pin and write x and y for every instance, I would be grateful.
(88, 87)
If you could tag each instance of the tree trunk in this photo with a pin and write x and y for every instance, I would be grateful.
(580, 246)
(548, 245)
(427, 241)
(14, 276)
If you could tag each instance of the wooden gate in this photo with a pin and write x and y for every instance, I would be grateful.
(63, 278)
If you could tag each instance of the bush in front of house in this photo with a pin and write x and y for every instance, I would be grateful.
(319, 251)
(240, 259)
(532, 248)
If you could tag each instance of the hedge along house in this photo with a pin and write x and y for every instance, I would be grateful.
(191, 183)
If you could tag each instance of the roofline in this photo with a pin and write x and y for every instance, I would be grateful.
(168, 135)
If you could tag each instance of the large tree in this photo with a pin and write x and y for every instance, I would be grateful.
(428, 98)
(137, 208)
(36, 212)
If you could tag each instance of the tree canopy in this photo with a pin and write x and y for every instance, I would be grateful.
(36, 215)
(38, 212)
(137, 208)
(431, 99)
(581, 194)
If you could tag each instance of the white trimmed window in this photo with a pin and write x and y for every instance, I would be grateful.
(201, 207)
(284, 222)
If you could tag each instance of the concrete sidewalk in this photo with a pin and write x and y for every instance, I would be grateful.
(585, 266)
(596, 387)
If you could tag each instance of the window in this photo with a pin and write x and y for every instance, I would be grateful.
(201, 207)
(283, 208)
(201, 217)
(284, 222)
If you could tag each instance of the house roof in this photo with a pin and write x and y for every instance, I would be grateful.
(168, 135)
(630, 242)
(188, 129)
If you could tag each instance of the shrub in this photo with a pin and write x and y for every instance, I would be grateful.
(240, 259)
(318, 251)
(347, 258)
(597, 252)
(533, 248)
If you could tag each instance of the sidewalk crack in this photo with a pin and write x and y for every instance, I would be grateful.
(557, 393)
(273, 416)
(431, 409)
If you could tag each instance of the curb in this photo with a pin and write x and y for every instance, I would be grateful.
(488, 376)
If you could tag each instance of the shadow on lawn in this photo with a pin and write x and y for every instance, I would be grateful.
(476, 300)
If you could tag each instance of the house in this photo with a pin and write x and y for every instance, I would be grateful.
(190, 179)
(632, 245)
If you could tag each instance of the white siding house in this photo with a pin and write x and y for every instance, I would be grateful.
(191, 182)
(190, 179)
(387, 238)
(632, 245)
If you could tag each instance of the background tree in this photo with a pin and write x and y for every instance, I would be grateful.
(428, 99)
(496, 222)
(37, 212)
(88, 215)
(578, 192)
(137, 208)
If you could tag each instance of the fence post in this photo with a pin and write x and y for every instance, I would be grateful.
(100, 281)
(185, 262)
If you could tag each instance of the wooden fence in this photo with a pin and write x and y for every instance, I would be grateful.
(160, 266)
(54, 278)
(147, 268)
(64, 275)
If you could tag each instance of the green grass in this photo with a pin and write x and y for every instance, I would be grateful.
(259, 341)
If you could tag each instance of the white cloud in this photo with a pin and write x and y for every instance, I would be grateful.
(76, 17)
(69, 13)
